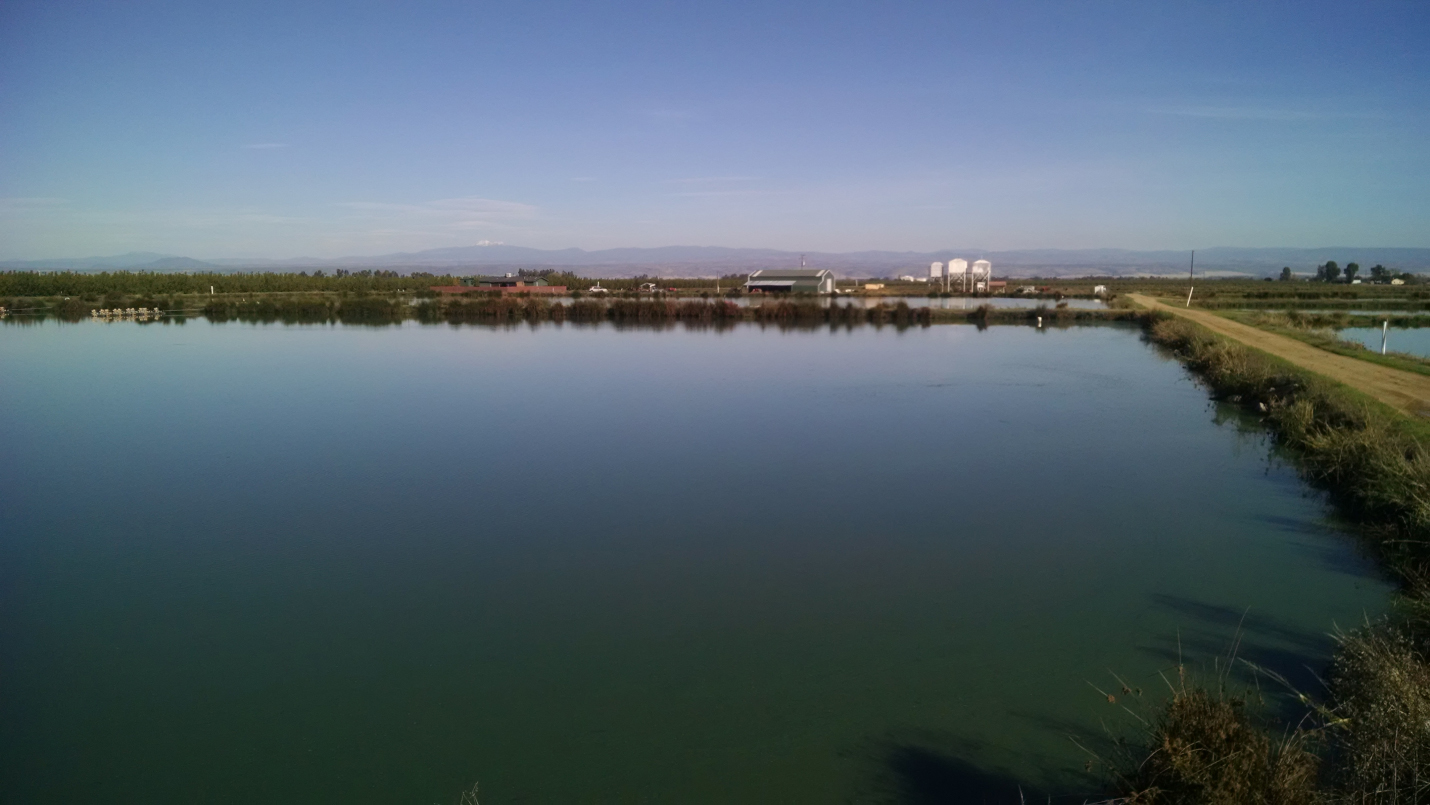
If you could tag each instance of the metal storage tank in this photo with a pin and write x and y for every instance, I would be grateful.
(935, 271)
(982, 268)
(957, 268)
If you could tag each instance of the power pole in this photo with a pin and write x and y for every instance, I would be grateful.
(1190, 271)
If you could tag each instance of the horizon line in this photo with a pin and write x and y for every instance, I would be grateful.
(158, 256)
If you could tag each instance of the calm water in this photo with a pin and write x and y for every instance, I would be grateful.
(303, 564)
(1412, 340)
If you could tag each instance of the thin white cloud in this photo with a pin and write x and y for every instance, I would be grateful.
(15, 204)
(671, 114)
(473, 204)
(715, 179)
(263, 146)
(1236, 113)
(465, 206)
(443, 217)
(265, 218)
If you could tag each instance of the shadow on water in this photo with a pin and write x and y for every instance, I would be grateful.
(922, 776)
(938, 769)
(1215, 634)
(1338, 554)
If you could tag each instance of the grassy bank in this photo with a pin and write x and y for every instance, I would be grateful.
(389, 309)
(1367, 740)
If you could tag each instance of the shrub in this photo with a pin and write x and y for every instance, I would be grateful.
(1205, 749)
(1380, 740)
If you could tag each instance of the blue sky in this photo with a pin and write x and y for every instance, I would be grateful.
(244, 129)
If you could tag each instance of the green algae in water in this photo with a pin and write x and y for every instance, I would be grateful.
(292, 564)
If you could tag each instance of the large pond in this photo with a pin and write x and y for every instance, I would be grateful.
(325, 564)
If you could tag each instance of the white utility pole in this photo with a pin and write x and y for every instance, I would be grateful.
(1190, 271)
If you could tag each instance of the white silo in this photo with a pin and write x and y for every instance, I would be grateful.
(958, 272)
(982, 272)
(935, 270)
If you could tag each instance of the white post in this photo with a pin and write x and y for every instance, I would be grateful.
(1189, 296)
(1384, 329)
(211, 290)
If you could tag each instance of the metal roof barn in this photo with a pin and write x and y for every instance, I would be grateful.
(509, 281)
(795, 280)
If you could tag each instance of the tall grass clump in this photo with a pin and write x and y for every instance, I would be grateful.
(1380, 735)
(1211, 747)
(71, 309)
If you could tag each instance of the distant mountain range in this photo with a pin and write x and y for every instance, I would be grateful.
(698, 261)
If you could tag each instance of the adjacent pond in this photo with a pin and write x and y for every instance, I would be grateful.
(1411, 340)
(297, 564)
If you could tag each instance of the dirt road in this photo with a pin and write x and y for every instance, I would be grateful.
(1406, 391)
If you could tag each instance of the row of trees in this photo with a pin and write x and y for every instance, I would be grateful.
(1332, 272)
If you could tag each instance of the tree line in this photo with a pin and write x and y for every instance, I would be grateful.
(1331, 271)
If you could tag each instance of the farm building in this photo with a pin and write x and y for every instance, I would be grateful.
(504, 285)
(800, 280)
(508, 281)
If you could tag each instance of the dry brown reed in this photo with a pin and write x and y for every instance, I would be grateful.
(1206, 748)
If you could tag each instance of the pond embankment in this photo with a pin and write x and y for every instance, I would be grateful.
(1367, 739)
(1405, 391)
